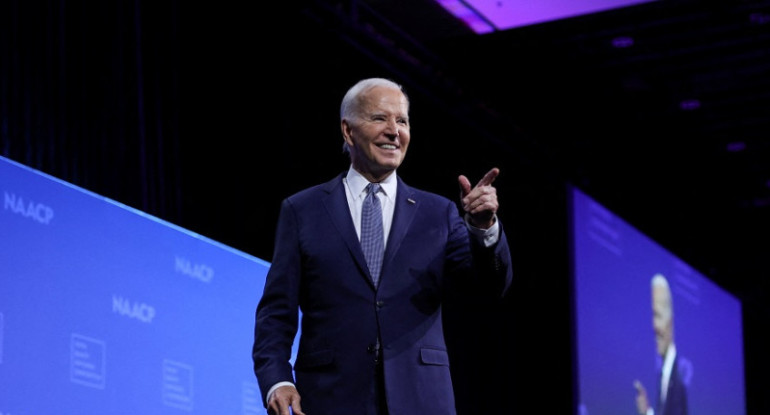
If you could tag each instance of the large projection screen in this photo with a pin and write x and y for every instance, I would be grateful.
(107, 310)
(613, 264)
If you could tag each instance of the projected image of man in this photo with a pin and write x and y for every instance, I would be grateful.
(672, 390)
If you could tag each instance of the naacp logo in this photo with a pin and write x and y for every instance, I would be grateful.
(136, 310)
(200, 272)
(28, 208)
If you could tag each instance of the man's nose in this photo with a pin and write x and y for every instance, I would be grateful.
(394, 131)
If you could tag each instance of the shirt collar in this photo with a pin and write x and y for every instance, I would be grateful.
(357, 184)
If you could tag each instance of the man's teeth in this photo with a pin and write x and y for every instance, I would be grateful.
(388, 146)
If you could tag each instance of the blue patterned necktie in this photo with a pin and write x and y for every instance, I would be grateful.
(372, 239)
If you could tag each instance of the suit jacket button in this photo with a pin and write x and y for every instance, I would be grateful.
(380, 303)
(370, 348)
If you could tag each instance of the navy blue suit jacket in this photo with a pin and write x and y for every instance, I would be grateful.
(318, 266)
(676, 394)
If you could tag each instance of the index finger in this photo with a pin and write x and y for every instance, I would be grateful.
(489, 177)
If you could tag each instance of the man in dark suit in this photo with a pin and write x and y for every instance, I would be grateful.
(372, 340)
(672, 390)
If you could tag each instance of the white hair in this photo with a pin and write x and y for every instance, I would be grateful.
(352, 99)
(659, 281)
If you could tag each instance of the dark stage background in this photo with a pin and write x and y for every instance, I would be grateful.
(207, 115)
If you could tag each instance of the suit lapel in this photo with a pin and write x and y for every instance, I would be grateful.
(403, 214)
(336, 204)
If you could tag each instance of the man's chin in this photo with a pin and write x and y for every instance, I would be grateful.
(392, 163)
(387, 165)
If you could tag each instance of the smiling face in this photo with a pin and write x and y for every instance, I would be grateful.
(378, 134)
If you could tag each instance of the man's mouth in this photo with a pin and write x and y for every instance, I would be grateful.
(387, 146)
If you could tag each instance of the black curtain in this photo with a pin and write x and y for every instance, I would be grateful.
(88, 93)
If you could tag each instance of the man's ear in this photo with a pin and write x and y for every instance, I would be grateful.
(345, 128)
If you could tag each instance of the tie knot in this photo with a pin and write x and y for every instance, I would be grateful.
(373, 188)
